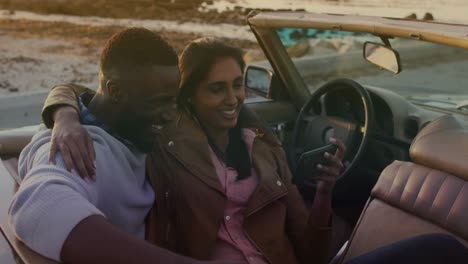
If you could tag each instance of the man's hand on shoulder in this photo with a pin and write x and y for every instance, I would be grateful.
(73, 141)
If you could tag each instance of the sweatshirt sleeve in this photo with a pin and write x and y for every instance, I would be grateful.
(60, 95)
(50, 202)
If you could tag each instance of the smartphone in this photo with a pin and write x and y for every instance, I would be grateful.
(307, 165)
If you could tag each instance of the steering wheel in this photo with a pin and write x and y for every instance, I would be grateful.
(313, 128)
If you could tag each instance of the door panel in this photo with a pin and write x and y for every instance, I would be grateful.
(279, 115)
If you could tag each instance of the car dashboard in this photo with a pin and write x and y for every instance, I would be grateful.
(396, 123)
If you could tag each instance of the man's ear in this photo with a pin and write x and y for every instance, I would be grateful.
(115, 91)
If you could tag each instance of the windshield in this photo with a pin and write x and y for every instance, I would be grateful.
(432, 74)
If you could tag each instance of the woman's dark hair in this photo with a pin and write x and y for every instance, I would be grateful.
(195, 63)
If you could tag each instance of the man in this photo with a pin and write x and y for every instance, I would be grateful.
(68, 219)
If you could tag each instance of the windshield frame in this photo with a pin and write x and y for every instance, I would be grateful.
(265, 24)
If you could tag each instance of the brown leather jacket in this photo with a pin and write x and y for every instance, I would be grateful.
(189, 205)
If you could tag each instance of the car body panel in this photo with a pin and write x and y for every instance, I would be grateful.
(6, 252)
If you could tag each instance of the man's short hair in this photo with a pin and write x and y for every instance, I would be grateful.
(135, 47)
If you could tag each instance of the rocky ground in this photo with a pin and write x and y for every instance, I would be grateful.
(35, 55)
(180, 10)
(37, 52)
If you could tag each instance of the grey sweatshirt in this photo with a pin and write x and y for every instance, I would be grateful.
(51, 201)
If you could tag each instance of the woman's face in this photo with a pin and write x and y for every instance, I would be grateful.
(219, 98)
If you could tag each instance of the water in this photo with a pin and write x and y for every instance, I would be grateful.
(442, 10)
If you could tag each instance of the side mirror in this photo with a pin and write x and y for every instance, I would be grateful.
(382, 56)
(258, 80)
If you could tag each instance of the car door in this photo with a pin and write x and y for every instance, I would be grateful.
(278, 112)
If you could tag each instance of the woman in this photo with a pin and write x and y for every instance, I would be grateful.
(223, 187)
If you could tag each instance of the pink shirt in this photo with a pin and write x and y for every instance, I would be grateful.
(233, 243)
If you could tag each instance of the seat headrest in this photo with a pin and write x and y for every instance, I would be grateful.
(443, 145)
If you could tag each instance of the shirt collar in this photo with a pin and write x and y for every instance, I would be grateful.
(88, 118)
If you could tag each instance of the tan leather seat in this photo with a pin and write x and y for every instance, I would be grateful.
(429, 195)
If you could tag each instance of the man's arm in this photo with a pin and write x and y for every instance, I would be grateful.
(94, 240)
(61, 112)
(50, 201)
(61, 95)
(54, 213)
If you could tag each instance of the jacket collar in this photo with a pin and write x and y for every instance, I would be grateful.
(270, 186)
(187, 142)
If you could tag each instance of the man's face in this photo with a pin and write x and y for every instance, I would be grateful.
(150, 100)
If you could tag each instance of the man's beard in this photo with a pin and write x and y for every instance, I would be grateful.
(137, 130)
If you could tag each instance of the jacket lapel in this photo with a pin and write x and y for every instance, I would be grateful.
(270, 186)
(186, 141)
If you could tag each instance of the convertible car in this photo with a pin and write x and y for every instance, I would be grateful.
(393, 90)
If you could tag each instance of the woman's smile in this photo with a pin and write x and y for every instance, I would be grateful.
(230, 114)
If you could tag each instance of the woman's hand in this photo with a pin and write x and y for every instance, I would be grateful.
(333, 168)
(73, 141)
